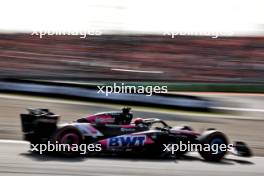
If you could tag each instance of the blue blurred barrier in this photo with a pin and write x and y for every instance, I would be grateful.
(66, 91)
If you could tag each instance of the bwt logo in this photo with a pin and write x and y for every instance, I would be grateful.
(127, 141)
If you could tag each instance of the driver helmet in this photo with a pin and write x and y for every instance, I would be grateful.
(138, 121)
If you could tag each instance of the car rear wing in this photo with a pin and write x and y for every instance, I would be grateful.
(38, 120)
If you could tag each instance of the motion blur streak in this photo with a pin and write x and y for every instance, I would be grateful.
(136, 71)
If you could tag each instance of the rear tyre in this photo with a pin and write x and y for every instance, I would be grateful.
(69, 139)
(213, 139)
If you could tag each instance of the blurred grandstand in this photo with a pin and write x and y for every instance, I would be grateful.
(182, 59)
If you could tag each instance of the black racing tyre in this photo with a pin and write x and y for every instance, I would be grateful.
(210, 138)
(70, 137)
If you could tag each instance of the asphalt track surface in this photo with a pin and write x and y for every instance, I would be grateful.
(15, 159)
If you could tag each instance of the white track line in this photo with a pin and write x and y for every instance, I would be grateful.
(7, 141)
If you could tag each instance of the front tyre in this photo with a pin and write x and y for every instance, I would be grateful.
(213, 140)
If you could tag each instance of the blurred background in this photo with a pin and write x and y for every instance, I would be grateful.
(133, 57)
(224, 75)
(134, 44)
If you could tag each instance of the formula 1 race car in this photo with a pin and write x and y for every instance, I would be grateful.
(118, 132)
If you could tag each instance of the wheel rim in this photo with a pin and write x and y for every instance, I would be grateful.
(70, 138)
(217, 141)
